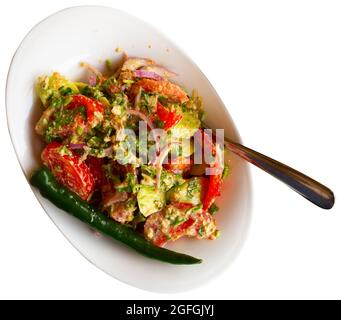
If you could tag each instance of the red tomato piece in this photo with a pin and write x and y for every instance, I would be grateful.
(205, 140)
(215, 180)
(204, 188)
(68, 170)
(174, 233)
(172, 120)
(95, 166)
(94, 108)
(159, 238)
(181, 229)
(169, 118)
(204, 227)
(162, 112)
(213, 191)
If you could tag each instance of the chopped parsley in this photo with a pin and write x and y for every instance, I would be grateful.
(63, 150)
(226, 171)
(201, 231)
(193, 187)
(177, 221)
(213, 209)
(130, 184)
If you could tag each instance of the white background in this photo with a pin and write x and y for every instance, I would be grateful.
(277, 67)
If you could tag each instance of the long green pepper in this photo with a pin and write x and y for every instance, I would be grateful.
(66, 200)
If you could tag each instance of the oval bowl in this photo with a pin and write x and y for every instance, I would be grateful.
(91, 33)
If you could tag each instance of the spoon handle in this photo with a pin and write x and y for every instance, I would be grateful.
(312, 190)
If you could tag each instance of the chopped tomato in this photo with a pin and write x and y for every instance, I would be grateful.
(174, 233)
(181, 229)
(169, 118)
(204, 227)
(205, 141)
(213, 191)
(166, 88)
(162, 112)
(215, 179)
(94, 109)
(153, 229)
(68, 170)
(161, 240)
(95, 166)
(204, 188)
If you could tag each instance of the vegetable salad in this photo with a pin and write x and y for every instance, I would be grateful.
(126, 141)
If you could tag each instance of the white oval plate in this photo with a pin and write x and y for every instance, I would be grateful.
(91, 33)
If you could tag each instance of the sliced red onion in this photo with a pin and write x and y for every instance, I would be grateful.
(159, 70)
(142, 116)
(108, 151)
(149, 123)
(138, 98)
(93, 71)
(92, 80)
(75, 146)
(159, 161)
(133, 64)
(147, 74)
(44, 120)
(85, 154)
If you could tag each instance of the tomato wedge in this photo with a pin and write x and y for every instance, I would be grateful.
(174, 233)
(169, 118)
(94, 109)
(215, 179)
(181, 229)
(95, 166)
(154, 225)
(213, 191)
(65, 165)
(205, 140)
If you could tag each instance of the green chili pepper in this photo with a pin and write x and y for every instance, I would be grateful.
(66, 200)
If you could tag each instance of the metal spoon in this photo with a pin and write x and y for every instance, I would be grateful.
(307, 187)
